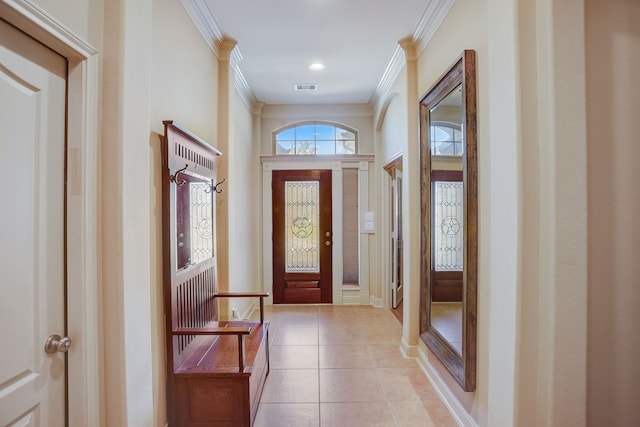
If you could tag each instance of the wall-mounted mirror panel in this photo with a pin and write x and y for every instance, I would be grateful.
(449, 220)
(194, 219)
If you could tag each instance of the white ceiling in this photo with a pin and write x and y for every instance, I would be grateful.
(278, 39)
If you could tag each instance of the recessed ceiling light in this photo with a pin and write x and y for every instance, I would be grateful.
(316, 66)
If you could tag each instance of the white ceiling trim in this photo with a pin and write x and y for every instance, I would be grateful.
(390, 75)
(203, 18)
(243, 88)
(239, 81)
(206, 23)
(434, 14)
(429, 22)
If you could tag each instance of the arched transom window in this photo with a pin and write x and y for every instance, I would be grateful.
(315, 138)
(446, 139)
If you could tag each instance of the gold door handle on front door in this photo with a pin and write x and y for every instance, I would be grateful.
(327, 243)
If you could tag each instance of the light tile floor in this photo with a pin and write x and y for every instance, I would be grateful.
(446, 318)
(334, 366)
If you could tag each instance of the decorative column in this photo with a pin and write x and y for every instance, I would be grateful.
(411, 203)
(225, 129)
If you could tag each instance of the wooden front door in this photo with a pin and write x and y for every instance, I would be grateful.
(302, 237)
(397, 262)
(32, 225)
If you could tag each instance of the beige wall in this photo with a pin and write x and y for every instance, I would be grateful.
(443, 50)
(392, 124)
(532, 204)
(183, 74)
(552, 347)
(183, 87)
(613, 113)
(245, 201)
(85, 18)
(125, 187)
(145, 72)
(180, 77)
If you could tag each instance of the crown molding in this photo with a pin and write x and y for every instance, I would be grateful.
(204, 21)
(433, 15)
(390, 75)
(225, 48)
(243, 87)
(239, 81)
(430, 21)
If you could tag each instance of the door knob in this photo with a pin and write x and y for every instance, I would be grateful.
(57, 343)
(327, 243)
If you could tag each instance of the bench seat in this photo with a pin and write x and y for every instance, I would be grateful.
(211, 390)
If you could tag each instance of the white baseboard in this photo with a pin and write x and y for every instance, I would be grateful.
(351, 300)
(458, 412)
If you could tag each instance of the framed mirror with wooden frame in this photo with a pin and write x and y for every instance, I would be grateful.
(449, 220)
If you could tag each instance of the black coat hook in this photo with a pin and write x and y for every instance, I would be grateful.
(174, 177)
(215, 187)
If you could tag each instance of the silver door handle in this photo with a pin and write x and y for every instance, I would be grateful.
(56, 343)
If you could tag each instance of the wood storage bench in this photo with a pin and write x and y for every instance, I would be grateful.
(216, 369)
(220, 378)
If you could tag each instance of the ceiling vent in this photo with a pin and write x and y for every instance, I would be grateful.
(305, 87)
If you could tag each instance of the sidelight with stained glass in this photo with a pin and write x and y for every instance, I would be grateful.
(448, 226)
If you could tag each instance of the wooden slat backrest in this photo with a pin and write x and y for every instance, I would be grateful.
(188, 291)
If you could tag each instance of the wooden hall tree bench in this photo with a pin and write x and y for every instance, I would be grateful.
(215, 369)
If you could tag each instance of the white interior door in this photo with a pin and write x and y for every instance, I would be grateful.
(32, 225)
(396, 241)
